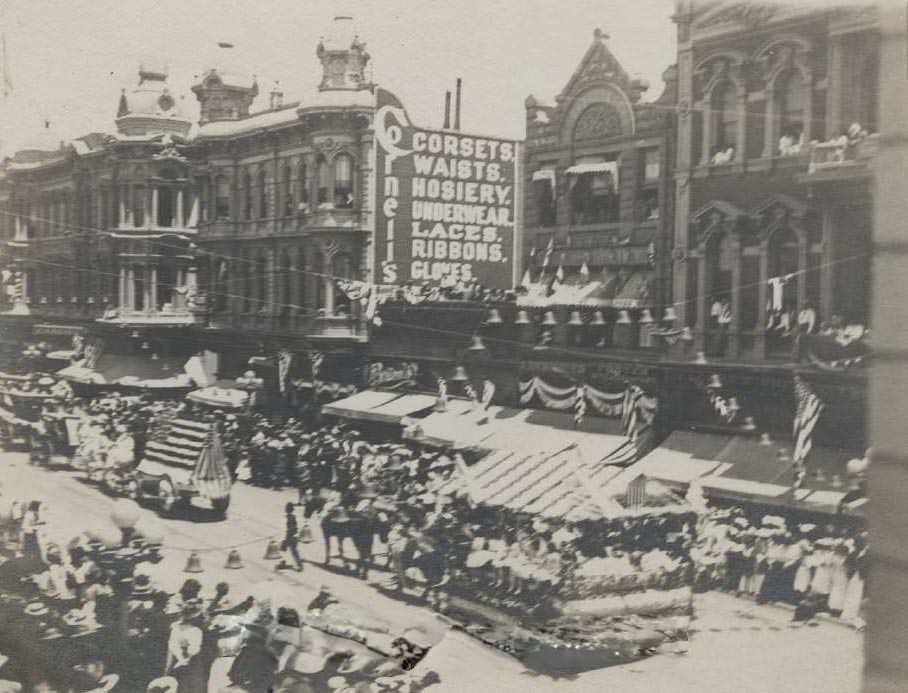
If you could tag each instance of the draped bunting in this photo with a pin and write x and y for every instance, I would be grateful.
(565, 398)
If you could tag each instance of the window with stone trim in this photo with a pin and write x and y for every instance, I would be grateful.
(343, 181)
(791, 106)
(305, 183)
(324, 182)
(725, 113)
(248, 206)
(222, 198)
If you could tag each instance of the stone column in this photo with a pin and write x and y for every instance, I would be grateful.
(155, 221)
(803, 255)
(121, 219)
(180, 220)
(151, 289)
(124, 297)
(702, 302)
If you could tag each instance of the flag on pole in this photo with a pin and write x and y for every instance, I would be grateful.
(579, 405)
(808, 412)
(629, 410)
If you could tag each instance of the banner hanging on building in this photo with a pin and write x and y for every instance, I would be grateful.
(446, 203)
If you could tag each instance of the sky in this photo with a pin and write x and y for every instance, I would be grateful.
(69, 59)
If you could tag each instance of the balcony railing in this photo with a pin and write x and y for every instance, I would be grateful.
(842, 156)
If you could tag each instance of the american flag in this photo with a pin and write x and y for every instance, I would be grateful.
(579, 405)
(548, 254)
(637, 436)
(629, 409)
(808, 413)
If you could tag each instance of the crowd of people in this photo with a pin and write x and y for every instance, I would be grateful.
(86, 616)
(814, 568)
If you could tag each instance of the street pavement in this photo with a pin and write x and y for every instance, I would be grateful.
(736, 647)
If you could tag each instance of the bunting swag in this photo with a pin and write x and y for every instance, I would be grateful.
(604, 403)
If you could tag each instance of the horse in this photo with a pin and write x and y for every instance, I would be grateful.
(423, 552)
(361, 528)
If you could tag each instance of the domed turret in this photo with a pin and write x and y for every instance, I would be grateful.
(150, 108)
(343, 57)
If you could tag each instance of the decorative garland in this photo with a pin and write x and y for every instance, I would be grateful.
(565, 398)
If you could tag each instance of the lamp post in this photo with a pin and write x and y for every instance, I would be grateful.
(250, 383)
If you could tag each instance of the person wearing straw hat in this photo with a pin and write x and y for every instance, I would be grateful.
(183, 649)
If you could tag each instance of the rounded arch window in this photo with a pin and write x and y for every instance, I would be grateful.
(343, 181)
(323, 180)
(791, 105)
(725, 108)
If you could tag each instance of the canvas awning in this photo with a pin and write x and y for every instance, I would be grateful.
(544, 174)
(378, 406)
(131, 370)
(740, 466)
(465, 425)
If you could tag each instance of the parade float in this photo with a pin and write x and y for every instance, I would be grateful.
(623, 587)
(183, 461)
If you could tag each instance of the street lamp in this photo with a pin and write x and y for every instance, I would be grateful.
(251, 384)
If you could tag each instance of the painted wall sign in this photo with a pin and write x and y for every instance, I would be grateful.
(446, 203)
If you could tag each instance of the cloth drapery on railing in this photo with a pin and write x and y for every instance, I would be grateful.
(564, 398)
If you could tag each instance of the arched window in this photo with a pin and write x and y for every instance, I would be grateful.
(263, 195)
(791, 106)
(870, 93)
(247, 196)
(287, 187)
(725, 110)
(305, 184)
(323, 181)
(343, 182)
(222, 198)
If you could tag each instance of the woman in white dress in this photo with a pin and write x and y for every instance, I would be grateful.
(854, 592)
(804, 570)
(839, 581)
(821, 584)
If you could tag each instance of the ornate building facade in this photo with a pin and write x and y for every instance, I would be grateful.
(598, 202)
(227, 235)
(776, 133)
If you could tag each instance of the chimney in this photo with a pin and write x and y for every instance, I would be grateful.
(457, 106)
(447, 124)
